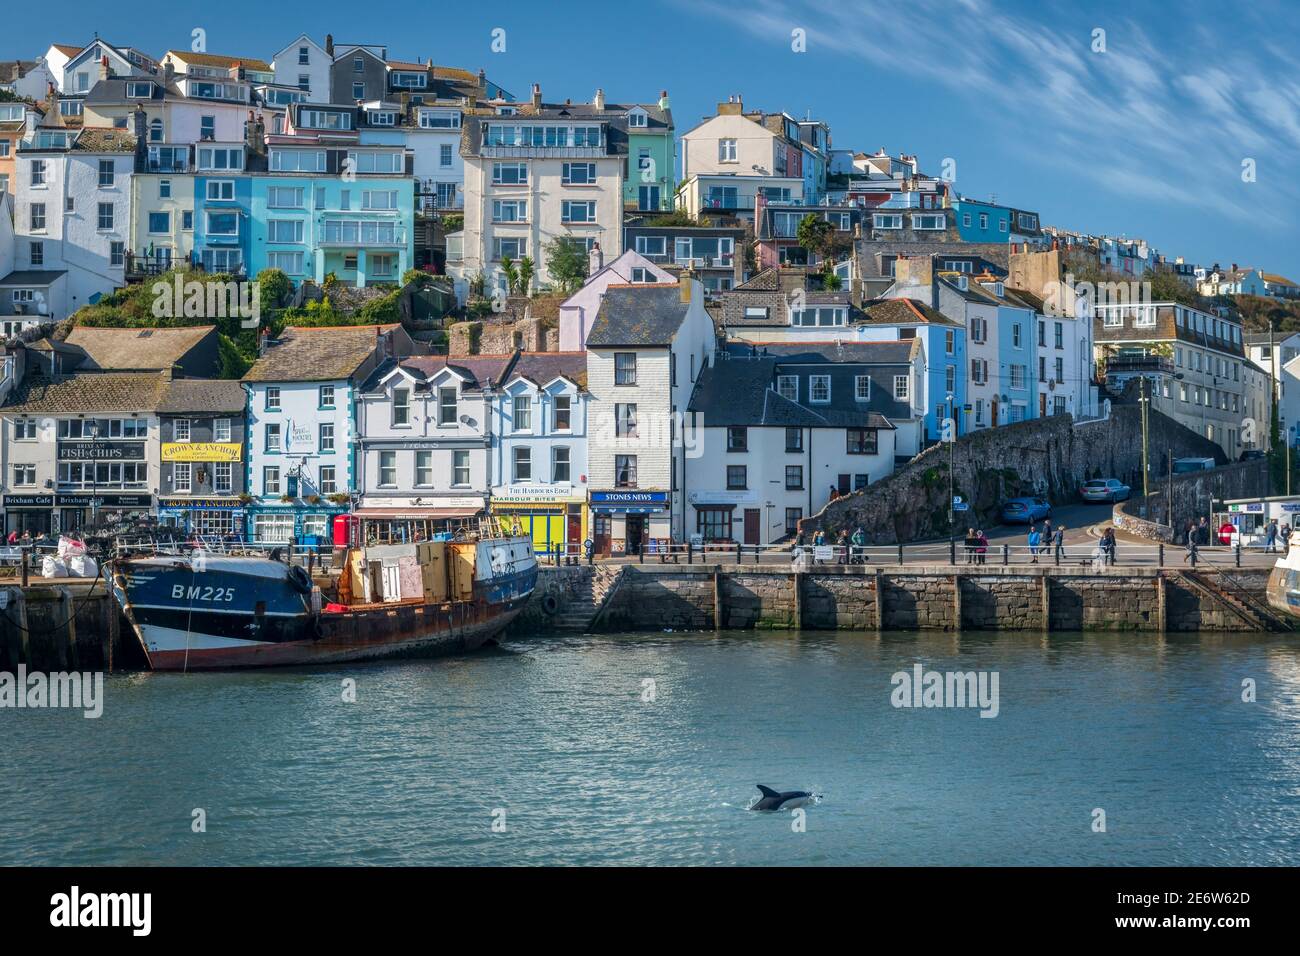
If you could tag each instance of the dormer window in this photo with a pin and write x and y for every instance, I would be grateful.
(637, 119)
(139, 90)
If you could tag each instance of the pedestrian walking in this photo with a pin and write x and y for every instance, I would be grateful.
(1270, 537)
(981, 546)
(842, 546)
(859, 541)
(1060, 540)
(1108, 548)
(969, 545)
(1035, 540)
(1286, 538)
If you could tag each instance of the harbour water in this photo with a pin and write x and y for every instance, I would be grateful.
(592, 764)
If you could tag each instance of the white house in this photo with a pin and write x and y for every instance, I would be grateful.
(422, 453)
(578, 311)
(302, 426)
(73, 211)
(787, 427)
(645, 352)
(304, 64)
(539, 449)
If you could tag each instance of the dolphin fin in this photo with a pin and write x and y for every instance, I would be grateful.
(766, 791)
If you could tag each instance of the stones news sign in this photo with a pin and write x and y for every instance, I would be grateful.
(101, 451)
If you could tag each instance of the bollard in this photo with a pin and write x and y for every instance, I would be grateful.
(1237, 555)
(740, 559)
(952, 551)
(690, 553)
(311, 561)
(1006, 554)
(1160, 555)
(900, 553)
(758, 558)
(1058, 555)
(23, 553)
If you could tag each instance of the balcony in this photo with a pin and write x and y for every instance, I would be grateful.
(1137, 363)
(726, 202)
(543, 152)
(361, 234)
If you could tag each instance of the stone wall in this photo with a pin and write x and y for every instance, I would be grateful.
(851, 598)
(1192, 496)
(1048, 456)
(490, 337)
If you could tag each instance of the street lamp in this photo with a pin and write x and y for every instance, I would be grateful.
(94, 473)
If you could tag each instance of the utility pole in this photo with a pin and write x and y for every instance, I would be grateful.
(1146, 401)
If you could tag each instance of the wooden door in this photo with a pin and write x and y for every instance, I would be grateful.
(753, 535)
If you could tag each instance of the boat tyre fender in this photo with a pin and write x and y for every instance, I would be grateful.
(299, 580)
(550, 606)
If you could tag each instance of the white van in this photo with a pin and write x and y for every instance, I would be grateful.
(1183, 465)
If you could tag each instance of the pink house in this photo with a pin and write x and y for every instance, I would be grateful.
(578, 311)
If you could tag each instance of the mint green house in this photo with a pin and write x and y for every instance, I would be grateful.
(650, 181)
(318, 211)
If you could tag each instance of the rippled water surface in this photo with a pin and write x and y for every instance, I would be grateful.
(557, 733)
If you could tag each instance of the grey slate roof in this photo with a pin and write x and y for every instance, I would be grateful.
(317, 354)
(25, 277)
(741, 389)
(202, 395)
(638, 315)
(124, 350)
(89, 392)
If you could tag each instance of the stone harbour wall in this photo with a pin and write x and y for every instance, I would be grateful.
(1047, 599)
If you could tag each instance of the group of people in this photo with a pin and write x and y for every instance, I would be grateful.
(1042, 541)
(976, 545)
(26, 539)
(1271, 535)
(848, 547)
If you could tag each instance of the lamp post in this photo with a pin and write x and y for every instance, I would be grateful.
(1145, 401)
(94, 473)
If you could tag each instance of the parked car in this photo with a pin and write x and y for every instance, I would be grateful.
(1025, 510)
(1253, 454)
(1105, 489)
(1184, 465)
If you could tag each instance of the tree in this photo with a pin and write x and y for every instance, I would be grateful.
(526, 272)
(818, 236)
(566, 260)
(511, 273)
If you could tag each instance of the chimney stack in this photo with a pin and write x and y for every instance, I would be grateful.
(686, 282)
(329, 44)
(482, 82)
(169, 73)
(599, 101)
(103, 68)
(595, 259)
(537, 96)
(663, 99)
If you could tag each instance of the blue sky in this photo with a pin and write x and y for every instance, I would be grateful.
(1144, 139)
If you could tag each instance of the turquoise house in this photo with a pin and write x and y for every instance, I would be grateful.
(350, 214)
(650, 181)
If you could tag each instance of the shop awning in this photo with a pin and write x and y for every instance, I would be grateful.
(625, 510)
(427, 514)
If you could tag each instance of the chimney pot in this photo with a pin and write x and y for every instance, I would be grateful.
(599, 101)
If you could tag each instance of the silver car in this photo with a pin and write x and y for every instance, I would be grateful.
(1105, 489)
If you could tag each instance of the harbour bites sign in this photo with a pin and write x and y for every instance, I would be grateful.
(202, 451)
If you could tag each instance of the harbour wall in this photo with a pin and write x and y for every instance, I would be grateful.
(658, 597)
(72, 627)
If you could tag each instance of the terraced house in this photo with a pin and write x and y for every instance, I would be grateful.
(331, 203)
(302, 426)
(537, 171)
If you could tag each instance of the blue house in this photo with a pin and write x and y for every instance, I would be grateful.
(944, 341)
(223, 208)
(981, 221)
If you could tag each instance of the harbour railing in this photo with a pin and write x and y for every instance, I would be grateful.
(1081, 556)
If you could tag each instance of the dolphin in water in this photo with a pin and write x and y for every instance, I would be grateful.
(788, 800)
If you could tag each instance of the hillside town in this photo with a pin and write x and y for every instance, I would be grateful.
(274, 300)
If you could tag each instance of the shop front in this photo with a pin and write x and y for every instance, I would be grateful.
(104, 509)
(29, 514)
(554, 517)
(387, 520)
(220, 518)
(629, 522)
(305, 524)
(723, 517)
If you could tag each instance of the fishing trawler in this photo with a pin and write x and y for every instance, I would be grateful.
(208, 610)
(1284, 581)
